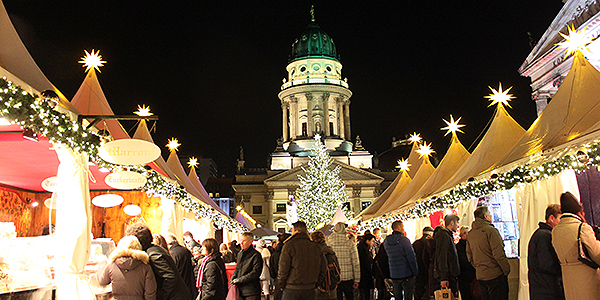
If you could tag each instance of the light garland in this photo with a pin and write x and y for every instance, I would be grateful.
(37, 113)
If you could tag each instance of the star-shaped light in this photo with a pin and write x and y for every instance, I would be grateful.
(403, 165)
(575, 41)
(453, 126)
(317, 137)
(173, 144)
(92, 60)
(415, 138)
(143, 111)
(499, 96)
(193, 162)
(425, 150)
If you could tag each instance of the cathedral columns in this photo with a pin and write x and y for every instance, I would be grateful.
(347, 119)
(340, 117)
(285, 118)
(294, 116)
(326, 114)
(309, 115)
(541, 100)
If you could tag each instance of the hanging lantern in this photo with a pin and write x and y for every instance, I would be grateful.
(132, 210)
(107, 200)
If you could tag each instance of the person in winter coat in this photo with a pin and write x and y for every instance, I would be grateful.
(485, 250)
(265, 276)
(466, 279)
(366, 265)
(428, 260)
(421, 284)
(128, 271)
(169, 285)
(184, 263)
(159, 240)
(580, 281)
(274, 265)
(247, 271)
(301, 265)
(212, 277)
(319, 238)
(402, 262)
(381, 271)
(446, 267)
(226, 254)
(544, 274)
(347, 255)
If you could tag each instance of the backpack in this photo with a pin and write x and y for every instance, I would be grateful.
(332, 278)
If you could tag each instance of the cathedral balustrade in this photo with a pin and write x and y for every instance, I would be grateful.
(314, 81)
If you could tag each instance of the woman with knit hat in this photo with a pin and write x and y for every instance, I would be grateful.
(580, 281)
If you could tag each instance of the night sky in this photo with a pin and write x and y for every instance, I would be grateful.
(211, 70)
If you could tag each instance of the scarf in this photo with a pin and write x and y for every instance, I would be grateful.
(201, 272)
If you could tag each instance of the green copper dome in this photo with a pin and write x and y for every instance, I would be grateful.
(314, 42)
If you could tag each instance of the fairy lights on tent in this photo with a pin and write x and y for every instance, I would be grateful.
(245, 214)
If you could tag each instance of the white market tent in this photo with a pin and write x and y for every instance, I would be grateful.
(394, 190)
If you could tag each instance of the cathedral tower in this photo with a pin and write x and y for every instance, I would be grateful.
(316, 100)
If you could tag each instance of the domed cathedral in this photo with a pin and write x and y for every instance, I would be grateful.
(315, 99)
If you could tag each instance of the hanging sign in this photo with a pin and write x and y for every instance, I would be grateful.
(125, 180)
(107, 200)
(132, 210)
(129, 152)
(50, 184)
(51, 202)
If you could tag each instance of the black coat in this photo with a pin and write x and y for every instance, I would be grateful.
(381, 268)
(185, 265)
(467, 271)
(169, 284)
(544, 267)
(366, 265)
(274, 261)
(214, 279)
(446, 259)
(247, 272)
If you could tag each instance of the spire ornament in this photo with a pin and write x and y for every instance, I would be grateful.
(453, 126)
(500, 97)
(92, 60)
(575, 41)
(312, 13)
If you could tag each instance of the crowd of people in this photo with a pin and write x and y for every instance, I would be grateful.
(301, 265)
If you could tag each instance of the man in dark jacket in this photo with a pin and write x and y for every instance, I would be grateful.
(169, 285)
(544, 275)
(446, 266)
(422, 278)
(301, 265)
(247, 271)
(274, 264)
(402, 262)
(184, 263)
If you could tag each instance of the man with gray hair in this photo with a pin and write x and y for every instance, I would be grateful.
(184, 263)
(248, 269)
(485, 251)
(446, 267)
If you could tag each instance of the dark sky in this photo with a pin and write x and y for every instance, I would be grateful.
(211, 70)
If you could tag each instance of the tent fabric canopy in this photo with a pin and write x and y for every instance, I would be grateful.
(573, 111)
(421, 177)
(90, 100)
(413, 160)
(395, 189)
(503, 134)
(193, 177)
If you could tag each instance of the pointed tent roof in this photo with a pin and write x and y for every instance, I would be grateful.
(159, 165)
(501, 136)
(394, 190)
(452, 161)
(338, 217)
(193, 177)
(175, 166)
(17, 64)
(573, 111)
(242, 220)
(423, 174)
(90, 100)
(413, 160)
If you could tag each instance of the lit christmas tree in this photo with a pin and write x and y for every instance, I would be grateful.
(321, 189)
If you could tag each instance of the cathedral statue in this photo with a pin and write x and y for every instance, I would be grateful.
(358, 144)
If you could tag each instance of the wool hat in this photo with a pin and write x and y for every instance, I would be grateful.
(427, 229)
(570, 204)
